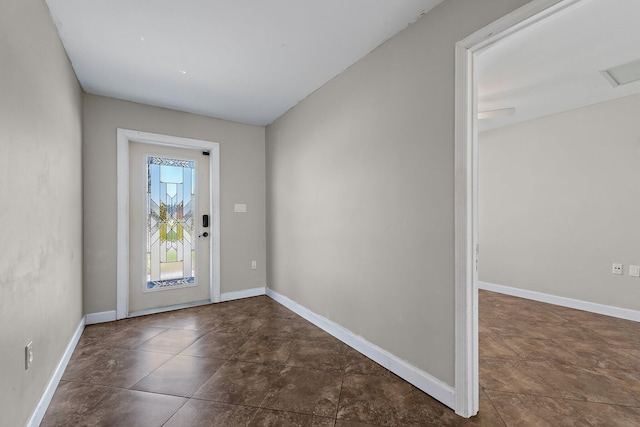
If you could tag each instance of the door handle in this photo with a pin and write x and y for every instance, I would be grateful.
(205, 234)
(205, 221)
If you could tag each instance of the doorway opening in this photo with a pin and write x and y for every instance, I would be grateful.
(466, 188)
(157, 142)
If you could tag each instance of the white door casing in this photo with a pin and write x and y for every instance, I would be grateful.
(124, 137)
(466, 187)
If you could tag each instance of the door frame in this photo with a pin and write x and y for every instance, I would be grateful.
(124, 137)
(466, 187)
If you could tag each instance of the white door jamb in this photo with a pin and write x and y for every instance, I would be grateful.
(466, 188)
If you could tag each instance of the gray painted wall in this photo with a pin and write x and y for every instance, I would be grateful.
(40, 172)
(560, 202)
(360, 181)
(241, 181)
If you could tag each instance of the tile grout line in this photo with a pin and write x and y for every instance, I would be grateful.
(494, 407)
(176, 411)
(266, 395)
(340, 394)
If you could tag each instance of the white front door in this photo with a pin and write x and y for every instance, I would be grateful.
(169, 240)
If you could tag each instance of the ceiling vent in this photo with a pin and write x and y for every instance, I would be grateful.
(623, 74)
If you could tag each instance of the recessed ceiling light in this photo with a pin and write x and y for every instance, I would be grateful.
(182, 71)
(623, 74)
(141, 38)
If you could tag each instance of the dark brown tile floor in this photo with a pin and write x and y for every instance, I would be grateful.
(545, 365)
(252, 362)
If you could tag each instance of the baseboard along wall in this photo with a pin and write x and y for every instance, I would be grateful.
(245, 293)
(102, 317)
(45, 400)
(608, 310)
(432, 386)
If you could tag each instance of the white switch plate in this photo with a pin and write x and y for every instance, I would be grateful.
(616, 268)
(634, 270)
(254, 265)
(240, 207)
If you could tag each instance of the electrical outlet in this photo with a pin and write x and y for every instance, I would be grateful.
(616, 268)
(28, 355)
(254, 265)
(634, 270)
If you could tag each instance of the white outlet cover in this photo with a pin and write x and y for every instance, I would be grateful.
(240, 207)
(634, 270)
(616, 268)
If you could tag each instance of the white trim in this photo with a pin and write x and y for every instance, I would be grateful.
(156, 310)
(466, 169)
(102, 317)
(466, 296)
(45, 400)
(422, 380)
(245, 293)
(124, 136)
(122, 225)
(607, 310)
(214, 208)
(527, 16)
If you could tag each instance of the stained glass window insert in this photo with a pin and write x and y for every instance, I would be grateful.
(170, 223)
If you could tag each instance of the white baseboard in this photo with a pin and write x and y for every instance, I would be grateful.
(45, 400)
(422, 380)
(109, 316)
(246, 293)
(102, 317)
(169, 308)
(608, 310)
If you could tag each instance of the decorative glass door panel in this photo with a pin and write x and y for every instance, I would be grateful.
(171, 226)
(169, 254)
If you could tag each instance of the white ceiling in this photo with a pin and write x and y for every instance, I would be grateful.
(555, 66)
(244, 60)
